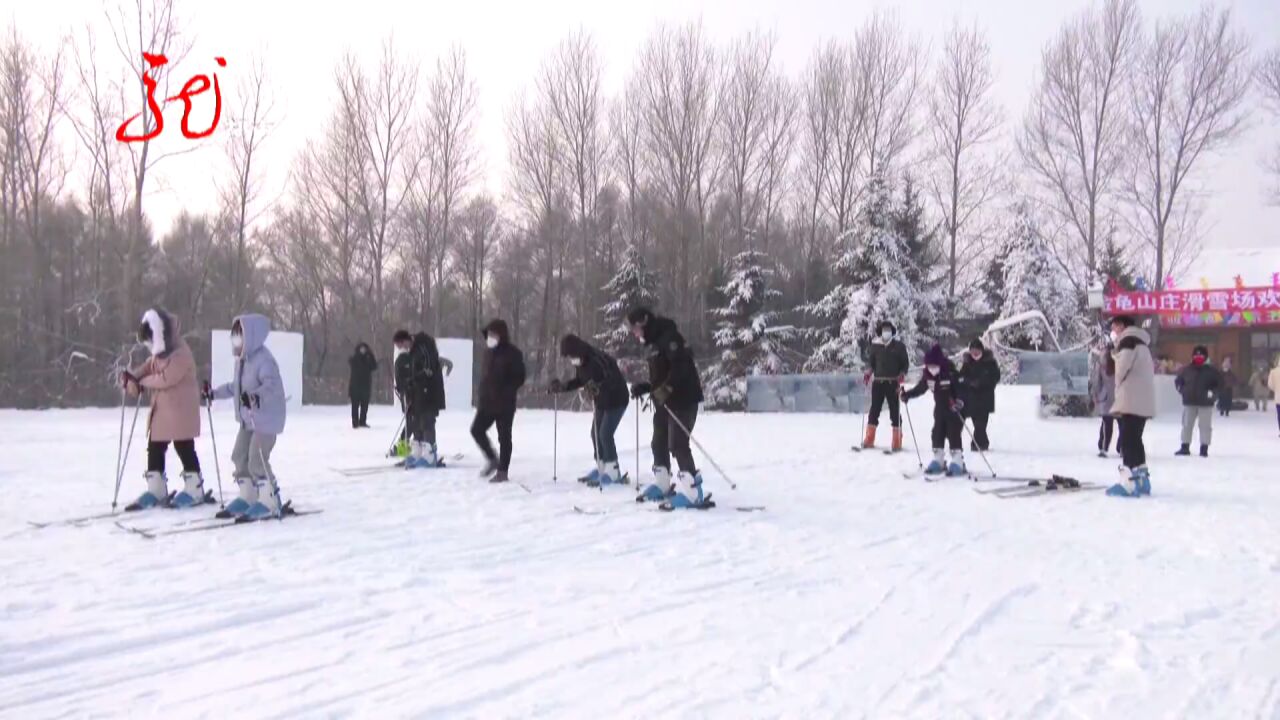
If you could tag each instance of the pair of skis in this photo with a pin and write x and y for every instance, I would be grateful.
(379, 469)
(207, 524)
(1035, 487)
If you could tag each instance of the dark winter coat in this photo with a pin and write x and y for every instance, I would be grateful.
(403, 371)
(945, 385)
(503, 373)
(887, 361)
(979, 379)
(1198, 385)
(360, 386)
(424, 381)
(671, 363)
(598, 373)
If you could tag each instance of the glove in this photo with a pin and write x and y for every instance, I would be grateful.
(640, 390)
(902, 395)
(957, 405)
(661, 394)
(206, 391)
(866, 378)
(556, 386)
(250, 401)
(902, 379)
(127, 380)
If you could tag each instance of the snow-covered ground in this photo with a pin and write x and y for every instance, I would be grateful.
(856, 594)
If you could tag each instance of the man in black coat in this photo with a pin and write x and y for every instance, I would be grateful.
(978, 377)
(360, 385)
(676, 390)
(887, 365)
(598, 372)
(1199, 384)
(501, 377)
(424, 395)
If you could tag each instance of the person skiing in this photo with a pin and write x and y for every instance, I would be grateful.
(1197, 383)
(502, 376)
(940, 375)
(1227, 388)
(979, 375)
(598, 372)
(259, 392)
(360, 385)
(1102, 388)
(676, 392)
(1135, 402)
(887, 364)
(424, 393)
(169, 374)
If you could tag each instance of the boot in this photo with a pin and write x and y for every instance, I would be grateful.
(896, 443)
(1204, 451)
(938, 465)
(157, 494)
(659, 489)
(432, 455)
(593, 478)
(248, 498)
(192, 491)
(610, 475)
(490, 467)
(956, 468)
(869, 439)
(499, 477)
(688, 493)
(1184, 450)
(268, 504)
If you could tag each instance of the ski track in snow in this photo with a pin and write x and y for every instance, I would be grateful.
(856, 593)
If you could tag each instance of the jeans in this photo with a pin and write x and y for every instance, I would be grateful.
(186, 450)
(604, 423)
(480, 432)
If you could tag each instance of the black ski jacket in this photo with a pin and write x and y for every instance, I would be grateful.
(598, 373)
(946, 385)
(979, 378)
(1198, 384)
(887, 361)
(360, 386)
(425, 378)
(671, 363)
(503, 373)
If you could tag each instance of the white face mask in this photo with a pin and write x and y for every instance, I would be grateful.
(886, 334)
(933, 369)
(576, 362)
(237, 343)
(491, 341)
(1115, 337)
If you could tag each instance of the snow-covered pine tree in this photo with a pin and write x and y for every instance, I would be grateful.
(631, 287)
(1030, 280)
(876, 274)
(1114, 264)
(747, 334)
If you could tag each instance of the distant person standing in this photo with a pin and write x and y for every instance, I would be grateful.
(1135, 402)
(1102, 388)
(1198, 383)
(1273, 382)
(1227, 390)
(887, 364)
(1258, 388)
(360, 385)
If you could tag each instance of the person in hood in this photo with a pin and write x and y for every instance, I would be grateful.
(258, 391)
(887, 365)
(360, 385)
(1135, 402)
(1258, 387)
(1198, 383)
(424, 393)
(979, 376)
(169, 374)
(597, 372)
(1227, 388)
(1102, 388)
(941, 377)
(676, 391)
(501, 378)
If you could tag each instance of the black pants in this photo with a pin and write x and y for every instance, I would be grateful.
(480, 431)
(1133, 452)
(359, 412)
(669, 439)
(422, 426)
(1105, 432)
(882, 391)
(186, 450)
(1226, 397)
(948, 427)
(604, 423)
(980, 420)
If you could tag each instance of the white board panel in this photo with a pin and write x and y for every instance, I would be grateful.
(285, 346)
(457, 385)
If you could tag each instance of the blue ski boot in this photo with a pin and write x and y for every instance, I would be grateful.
(937, 466)
(1143, 480)
(1130, 486)
(157, 494)
(688, 494)
(957, 468)
(192, 491)
(241, 505)
(610, 474)
(660, 489)
(268, 504)
(593, 478)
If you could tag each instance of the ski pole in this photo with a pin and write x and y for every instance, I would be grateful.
(217, 467)
(906, 407)
(266, 470)
(863, 436)
(395, 440)
(555, 437)
(120, 437)
(701, 449)
(964, 425)
(639, 407)
(124, 459)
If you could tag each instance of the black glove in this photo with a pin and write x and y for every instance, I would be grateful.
(127, 378)
(556, 386)
(640, 390)
(902, 393)
(250, 401)
(661, 394)
(206, 391)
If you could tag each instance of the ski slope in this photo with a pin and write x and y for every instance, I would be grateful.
(857, 593)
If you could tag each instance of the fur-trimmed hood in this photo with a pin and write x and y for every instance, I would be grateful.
(160, 332)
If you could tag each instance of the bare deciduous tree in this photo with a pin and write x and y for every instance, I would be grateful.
(249, 123)
(890, 67)
(480, 228)
(1268, 74)
(750, 76)
(1191, 80)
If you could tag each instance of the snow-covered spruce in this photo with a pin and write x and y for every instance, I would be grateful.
(747, 334)
(631, 287)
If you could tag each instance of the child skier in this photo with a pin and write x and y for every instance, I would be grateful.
(1197, 383)
(887, 364)
(598, 372)
(424, 394)
(1135, 402)
(979, 375)
(502, 376)
(940, 375)
(259, 392)
(676, 391)
(170, 375)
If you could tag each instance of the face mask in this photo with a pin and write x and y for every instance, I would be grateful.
(237, 342)
(638, 332)
(362, 351)
(1115, 337)
(1198, 360)
(491, 341)
(576, 362)
(886, 334)
(933, 369)
(975, 354)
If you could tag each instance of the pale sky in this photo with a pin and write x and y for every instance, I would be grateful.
(300, 43)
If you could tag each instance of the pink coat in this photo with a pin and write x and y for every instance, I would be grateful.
(175, 394)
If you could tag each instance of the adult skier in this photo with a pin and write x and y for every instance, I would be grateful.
(424, 393)
(597, 372)
(360, 385)
(676, 391)
(1102, 388)
(887, 365)
(941, 377)
(1135, 402)
(169, 374)
(502, 376)
(259, 392)
(1198, 383)
(401, 372)
(979, 375)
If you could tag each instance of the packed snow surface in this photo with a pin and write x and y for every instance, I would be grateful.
(857, 593)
